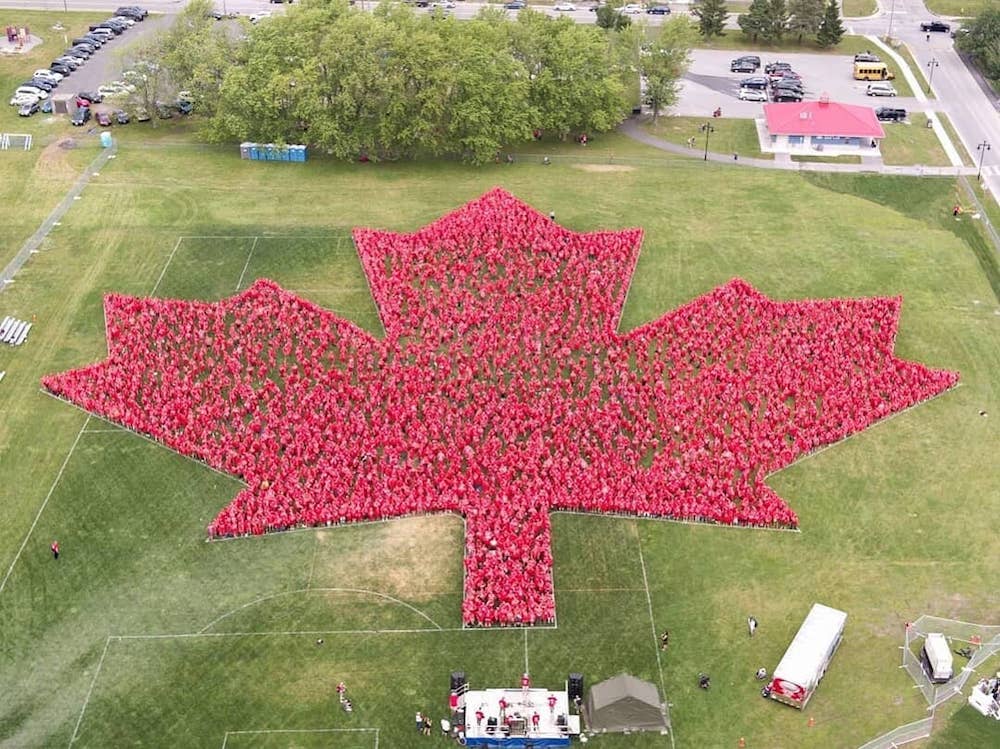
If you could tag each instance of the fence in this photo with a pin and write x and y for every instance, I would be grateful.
(18, 140)
(920, 729)
(984, 636)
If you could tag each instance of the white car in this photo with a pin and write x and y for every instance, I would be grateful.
(632, 9)
(20, 100)
(109, 91)
(260, 15)
(32, 91)
(564, 7)
(880, 89)
(446, 4)
(130, 22)
(752, 94)
(47, 75)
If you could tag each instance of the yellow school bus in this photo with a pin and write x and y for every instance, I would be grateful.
(872, 71)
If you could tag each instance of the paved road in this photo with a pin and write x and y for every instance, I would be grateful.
(958, 94)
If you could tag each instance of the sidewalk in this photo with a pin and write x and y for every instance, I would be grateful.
(632, 129)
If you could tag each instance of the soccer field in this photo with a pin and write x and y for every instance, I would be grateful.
(145, 633)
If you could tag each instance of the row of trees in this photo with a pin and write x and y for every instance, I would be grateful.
(392, 84)
(772, 20)
(980, 39)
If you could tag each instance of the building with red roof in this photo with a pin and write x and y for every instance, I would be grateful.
(808, 127)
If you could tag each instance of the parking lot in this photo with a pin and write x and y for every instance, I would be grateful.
(708, 83)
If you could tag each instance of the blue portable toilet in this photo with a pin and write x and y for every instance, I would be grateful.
(254, 152)
(269, 152)
(304, 152)
(105, 139)
(300, 153)
(285, 153)
(245, 150)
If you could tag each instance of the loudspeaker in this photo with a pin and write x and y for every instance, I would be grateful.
(575, 687)
(457, 681)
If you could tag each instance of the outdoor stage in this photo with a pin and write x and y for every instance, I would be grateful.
(555, 725)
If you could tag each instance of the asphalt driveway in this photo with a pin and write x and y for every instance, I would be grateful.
(708, 83)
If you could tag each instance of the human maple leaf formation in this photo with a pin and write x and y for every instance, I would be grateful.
(501, 390)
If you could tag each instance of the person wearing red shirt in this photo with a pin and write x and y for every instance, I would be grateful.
(55, 549)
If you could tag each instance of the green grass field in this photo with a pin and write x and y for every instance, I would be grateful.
(858, 8)
(960, 8)
(144, 634)
(730, 135)
(912, 143)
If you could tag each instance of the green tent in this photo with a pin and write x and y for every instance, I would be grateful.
(624, 704)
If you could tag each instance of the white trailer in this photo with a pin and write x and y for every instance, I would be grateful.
(806, 660)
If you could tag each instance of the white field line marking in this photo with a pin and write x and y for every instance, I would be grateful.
(105, 431)
(649, 603)
(374, 731)
(314, 632)
(90, 691)
(48, 496)
(166, 265)
(239, 284)
(286, 237)
(364, 591)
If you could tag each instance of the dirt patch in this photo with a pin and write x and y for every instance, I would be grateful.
(604, 167)
(53, 162)
(411, 558)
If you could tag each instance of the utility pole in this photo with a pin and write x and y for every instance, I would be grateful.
(982, 148)
(708, 130)
(932, 64)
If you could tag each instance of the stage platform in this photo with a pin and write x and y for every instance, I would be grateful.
(554, 728)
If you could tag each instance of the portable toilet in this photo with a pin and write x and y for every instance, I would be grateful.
(304, 153)
(254, 152)
(937, 658)
(286, 153)
(269, 152)
(245, 150)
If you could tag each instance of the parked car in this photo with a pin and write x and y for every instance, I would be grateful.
(632, 9)
(80, 117)
(103, 119)
(73, 57)
(866, 57)
(32, 91)
(935, 26)
(109, 90)
(46, 106)
(183, 106)
(880, 89)
(46, 86)
(122, 117)
(26, 110)
(445, 4)
(132, 11)
(890, 114)
(564, 7)
(86, 44)
(48, 73)
(515, 5)
(129, 22)
(82, 103)
(743, 65)
(758, 82)
(59, 68)
(19, 100)
(772, 66)
(658, 10)
(752, 94)
(95, 40)
(92, 96)
(106, 33)
(256, 17)
(80, 52)
(141, 115)
(786, 94)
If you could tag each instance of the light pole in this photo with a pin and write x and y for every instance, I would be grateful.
(892, 14)
(982, 148)
(708, 130)
(932, 64)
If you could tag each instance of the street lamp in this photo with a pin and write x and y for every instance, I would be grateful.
(708, 130)
(932, 64)
(892, 15)
(982, 148)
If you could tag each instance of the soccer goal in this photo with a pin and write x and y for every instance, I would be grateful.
(20, 141)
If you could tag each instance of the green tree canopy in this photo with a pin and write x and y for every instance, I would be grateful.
(831, 30)
(755, 20)
(980, 39)
(711, 15)
(663, 61)
(806, 17)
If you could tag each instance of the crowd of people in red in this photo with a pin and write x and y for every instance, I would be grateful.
(501, 390)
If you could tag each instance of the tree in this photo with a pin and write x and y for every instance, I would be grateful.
(663, 62)
(146, 77)
(711, 15)
(806, 17)
(611, 17)
(831, 30)
(753, 22)
(775, 21)
(980, 39)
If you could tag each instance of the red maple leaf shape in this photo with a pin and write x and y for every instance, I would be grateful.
(501, 391)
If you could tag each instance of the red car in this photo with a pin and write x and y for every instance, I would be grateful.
(103, 119)
(82, 103)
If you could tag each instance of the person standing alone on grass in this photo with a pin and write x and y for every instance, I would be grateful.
(55, 549)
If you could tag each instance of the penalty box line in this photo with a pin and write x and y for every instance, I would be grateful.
(225, 738)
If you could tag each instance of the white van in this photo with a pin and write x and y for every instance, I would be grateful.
(937, 658)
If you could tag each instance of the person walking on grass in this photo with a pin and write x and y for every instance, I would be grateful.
(55, 549)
